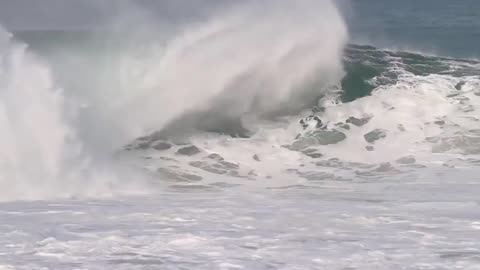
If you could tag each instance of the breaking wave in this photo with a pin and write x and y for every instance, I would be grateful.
(251, 92)
(65, 113)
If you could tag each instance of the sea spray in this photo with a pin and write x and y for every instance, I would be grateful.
(41, 155)
(248, 57)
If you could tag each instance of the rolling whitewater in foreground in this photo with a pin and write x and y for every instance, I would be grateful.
(262, 136)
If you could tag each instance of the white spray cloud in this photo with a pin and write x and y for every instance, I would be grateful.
(252, 57)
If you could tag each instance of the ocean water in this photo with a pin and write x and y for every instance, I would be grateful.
(448, 28)
(260, 135)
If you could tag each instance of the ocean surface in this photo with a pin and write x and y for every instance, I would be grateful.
(448, 28)
(260, 135)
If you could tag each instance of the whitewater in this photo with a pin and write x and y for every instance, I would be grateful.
(257, 137)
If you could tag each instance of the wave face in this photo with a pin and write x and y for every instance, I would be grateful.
(419, 101)
(65, 114)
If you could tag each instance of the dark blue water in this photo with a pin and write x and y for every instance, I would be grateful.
(441, 27)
